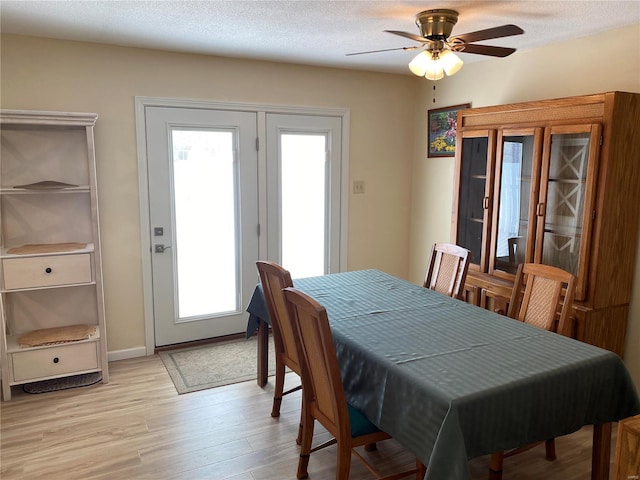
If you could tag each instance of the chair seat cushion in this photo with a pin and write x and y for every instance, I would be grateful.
(359, 423)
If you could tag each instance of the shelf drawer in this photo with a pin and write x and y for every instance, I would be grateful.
(54, 361)
(48, 271)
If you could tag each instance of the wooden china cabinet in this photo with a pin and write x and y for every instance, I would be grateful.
(555, 182)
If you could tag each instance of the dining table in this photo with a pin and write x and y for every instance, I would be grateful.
(451, 381)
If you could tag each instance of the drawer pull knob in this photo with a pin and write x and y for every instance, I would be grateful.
(48, 270)
(56, 360)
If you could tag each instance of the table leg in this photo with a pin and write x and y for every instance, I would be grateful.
(495, 465)
(263, 353)
(600, 458)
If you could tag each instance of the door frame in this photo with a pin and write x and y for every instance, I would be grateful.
(261, 110)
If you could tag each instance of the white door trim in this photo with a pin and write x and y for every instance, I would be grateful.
(141, 103)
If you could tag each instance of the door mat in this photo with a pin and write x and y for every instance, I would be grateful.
(63, 383)
(214, 365)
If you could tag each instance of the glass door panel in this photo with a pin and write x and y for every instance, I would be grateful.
(304, 218)
(473, 196)
(519, 167)
(204, 179)
(565, 196)
(567, 199)
(304, 193)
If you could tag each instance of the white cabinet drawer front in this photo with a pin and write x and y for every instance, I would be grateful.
(47, 362)
(48, 271)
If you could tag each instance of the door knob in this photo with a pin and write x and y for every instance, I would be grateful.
(160, 248)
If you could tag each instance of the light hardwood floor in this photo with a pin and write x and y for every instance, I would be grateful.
(138, 427)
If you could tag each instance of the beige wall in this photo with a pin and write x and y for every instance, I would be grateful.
(583, 66)
(407, 202)
(71, 76)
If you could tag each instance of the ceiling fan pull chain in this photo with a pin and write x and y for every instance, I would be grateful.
(434, 91)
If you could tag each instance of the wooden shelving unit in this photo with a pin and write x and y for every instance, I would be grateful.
(50, 261)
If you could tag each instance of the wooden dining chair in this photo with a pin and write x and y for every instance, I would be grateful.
(273, 279)
(447, 269)
(542, 296)
(324, 397)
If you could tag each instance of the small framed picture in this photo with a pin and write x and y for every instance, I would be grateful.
(442, 124)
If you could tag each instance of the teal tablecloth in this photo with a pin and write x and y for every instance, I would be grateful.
(451, 381)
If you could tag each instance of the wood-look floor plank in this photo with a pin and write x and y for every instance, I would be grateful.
(138, 427)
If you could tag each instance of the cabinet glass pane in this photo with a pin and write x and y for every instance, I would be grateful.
(565, 200)
(513, 212)
(473, 170)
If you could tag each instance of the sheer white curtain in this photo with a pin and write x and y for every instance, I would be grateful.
(510, 186)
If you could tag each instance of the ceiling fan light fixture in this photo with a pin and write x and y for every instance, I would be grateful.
(434, 65)
(450, 62)
(439, 57)
(420, 63)
(434, 71)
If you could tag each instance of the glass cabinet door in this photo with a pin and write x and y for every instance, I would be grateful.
(516, 182)
(566, 202)
(475, 171)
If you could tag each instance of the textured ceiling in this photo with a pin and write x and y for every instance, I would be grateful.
(307, 32)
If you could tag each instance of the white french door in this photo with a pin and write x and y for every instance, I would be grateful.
(304, 176)
(216, 204)
(203, 195)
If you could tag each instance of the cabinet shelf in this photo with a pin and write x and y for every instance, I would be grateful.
(50, 191)
(4, 252)
(473, 220)
(62, 375)
(13, 346)
(574, 232)
(563, 229)
(48, 287)
(569, 181)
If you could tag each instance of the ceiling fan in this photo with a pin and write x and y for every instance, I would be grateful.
(438, 57)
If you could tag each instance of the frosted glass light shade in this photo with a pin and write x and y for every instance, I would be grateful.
(420, 63)
(434, 71)
(433, 66)
(450, 62)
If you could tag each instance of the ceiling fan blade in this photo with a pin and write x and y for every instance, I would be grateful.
(489, 33)
(487, 50)
(383, 50)
(411, 36)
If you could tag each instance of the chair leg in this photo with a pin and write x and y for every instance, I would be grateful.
(344, 461)
(279, 388)
(495, 466)
(550, 446)
(302, 413)
(305, 445)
